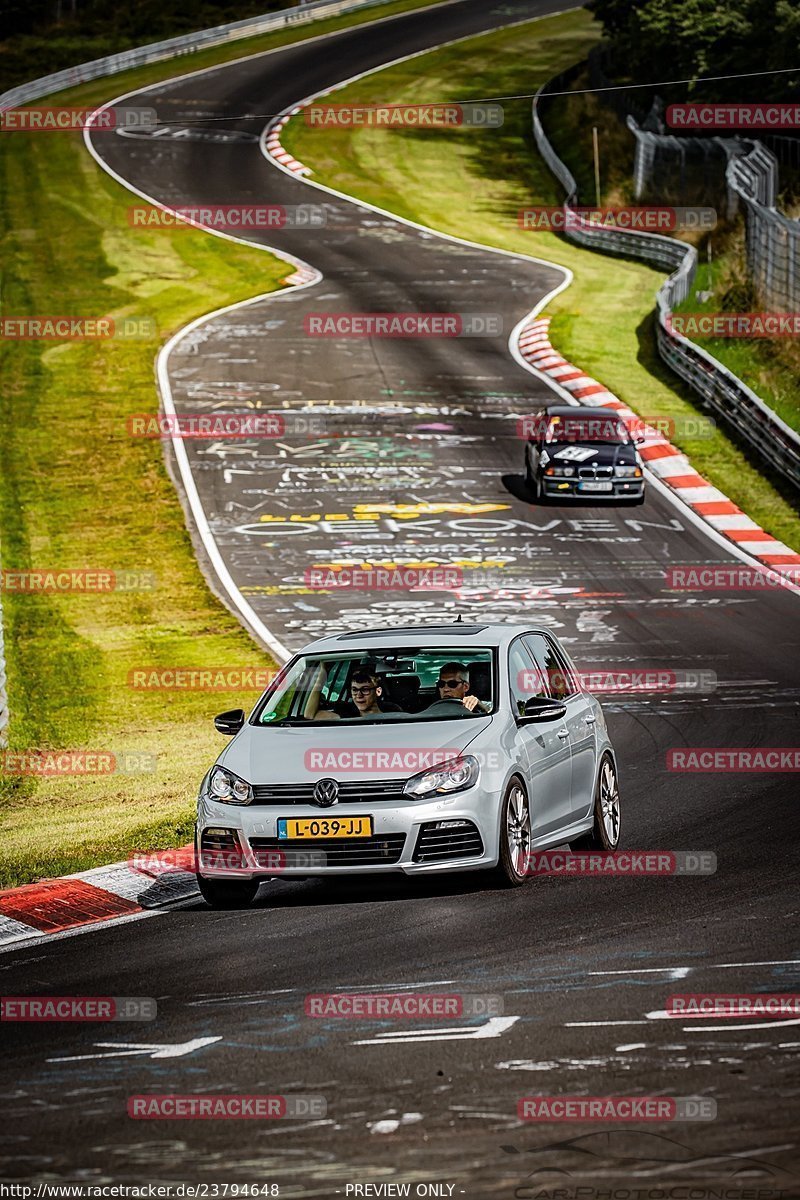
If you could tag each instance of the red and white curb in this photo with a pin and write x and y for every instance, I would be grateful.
(276, 150)
(662, 458)
(103, 894)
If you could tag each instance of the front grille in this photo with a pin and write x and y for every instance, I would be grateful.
(351, 791)
(595, 472)
(440, 841)
(340, 852)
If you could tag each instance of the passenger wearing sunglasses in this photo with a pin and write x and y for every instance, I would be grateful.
(453, 684)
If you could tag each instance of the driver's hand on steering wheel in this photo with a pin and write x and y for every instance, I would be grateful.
(472, 702)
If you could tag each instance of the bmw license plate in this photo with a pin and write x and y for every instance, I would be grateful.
(596, 485)
(325, 827)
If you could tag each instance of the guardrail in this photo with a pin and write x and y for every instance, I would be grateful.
(726, 395)
(188, 43)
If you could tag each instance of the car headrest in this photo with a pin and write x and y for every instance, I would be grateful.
(480, 680)
(402, 689)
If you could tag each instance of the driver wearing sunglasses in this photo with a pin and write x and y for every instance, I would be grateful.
(453, 684)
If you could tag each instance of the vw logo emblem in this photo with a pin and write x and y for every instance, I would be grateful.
(326, 792)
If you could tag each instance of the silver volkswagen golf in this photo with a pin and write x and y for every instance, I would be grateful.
(418, 750)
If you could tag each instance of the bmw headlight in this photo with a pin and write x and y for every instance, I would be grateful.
(560, 471)
(229, 788)
(454, 776)
(628, 472)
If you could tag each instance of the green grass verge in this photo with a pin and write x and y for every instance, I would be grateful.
(76, 491)
(472, 183)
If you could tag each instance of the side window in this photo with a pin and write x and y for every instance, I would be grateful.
(562, 680)
(540, 650)
(524, 676)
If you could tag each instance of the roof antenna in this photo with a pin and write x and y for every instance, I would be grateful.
(459, 620)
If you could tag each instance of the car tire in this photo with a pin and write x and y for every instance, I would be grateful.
(511, 869)
(228, 893)
(535, 489)
(605, 829)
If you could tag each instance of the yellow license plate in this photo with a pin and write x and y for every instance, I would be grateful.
(325, 827)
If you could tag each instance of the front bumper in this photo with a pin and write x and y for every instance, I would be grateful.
(621, 489)
(402, 841)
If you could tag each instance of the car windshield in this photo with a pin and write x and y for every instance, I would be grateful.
(583, 428)
(381, 685)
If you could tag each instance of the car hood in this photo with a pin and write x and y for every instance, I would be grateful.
(270, 754)
(592, 455)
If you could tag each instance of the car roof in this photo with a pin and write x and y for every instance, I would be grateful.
(455, 635)
(571, 410)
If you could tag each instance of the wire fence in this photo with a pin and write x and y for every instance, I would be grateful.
(727, 396)
(750, 172)
(773, 240)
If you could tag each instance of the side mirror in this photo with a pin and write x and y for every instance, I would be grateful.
(541, 708)
(230, 722)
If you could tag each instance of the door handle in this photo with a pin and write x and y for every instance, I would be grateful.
(590, 720)
(563, 733)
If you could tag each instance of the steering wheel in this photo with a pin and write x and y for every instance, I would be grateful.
(447, 707)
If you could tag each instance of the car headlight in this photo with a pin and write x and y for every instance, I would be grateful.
(560, 471)
(229, 788)
(453, 776)
(628, 472)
